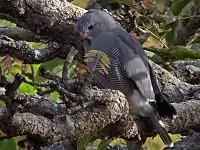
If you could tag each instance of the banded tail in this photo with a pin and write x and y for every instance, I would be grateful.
(159, 126)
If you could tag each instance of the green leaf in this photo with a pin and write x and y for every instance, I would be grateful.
(35, 68)
(96, 142)
(2, 104)
(154, 57)
(58, 70)
(178, 53)
(38, 45)
(14, 69)
(55, 96)
(6, 23)
(50, 65)
(156, 142)
(171, 35)
(181, 53)
(178, 6)
(26, 88)
(118, 141)
(82, 142)
(160, 4)
(11, 144)
(8, 144)
(104, 144)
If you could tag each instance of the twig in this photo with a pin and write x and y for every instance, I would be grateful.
(67, 64)
(24, 51)
(48, 75)
(17, 33)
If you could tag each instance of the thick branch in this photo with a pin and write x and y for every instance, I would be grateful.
(39, 105)
(52, 18)
(108, 106)
(24, 51)
(19, 33)
(187, 71)
(130, 127)
(105, 111)
(174, 89)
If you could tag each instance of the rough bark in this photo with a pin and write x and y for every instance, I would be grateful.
(45, 120)
(190, 142)
(53, 20)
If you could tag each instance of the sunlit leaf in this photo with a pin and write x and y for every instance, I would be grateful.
(153, 42)
(2, 103)
(117, 141)
(6, 23)
(26, 88)
(81, 3)
(55, 96)
(38, 45)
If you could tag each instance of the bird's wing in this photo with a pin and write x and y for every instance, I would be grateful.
(148, 85)
(132, 43)
(138, 50)
(134, 62)
(130, 60)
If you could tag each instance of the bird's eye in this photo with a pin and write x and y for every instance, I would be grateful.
(90, 27)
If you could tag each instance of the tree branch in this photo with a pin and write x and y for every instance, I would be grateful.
(174, 89)
(53, 19)
(17, 33)
(77, 124)
(110, 110)
(24, 51)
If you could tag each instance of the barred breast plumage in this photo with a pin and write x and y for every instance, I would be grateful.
(116, 77)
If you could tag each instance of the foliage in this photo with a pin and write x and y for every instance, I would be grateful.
(11, 144)
(157, 26)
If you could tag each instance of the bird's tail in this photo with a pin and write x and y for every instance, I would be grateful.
(164, 108)
(159, 126)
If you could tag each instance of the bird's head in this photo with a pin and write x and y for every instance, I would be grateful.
(94, 22)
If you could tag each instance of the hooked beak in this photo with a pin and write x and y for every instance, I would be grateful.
(85, 35)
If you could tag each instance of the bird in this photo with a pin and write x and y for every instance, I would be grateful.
(128, 69)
